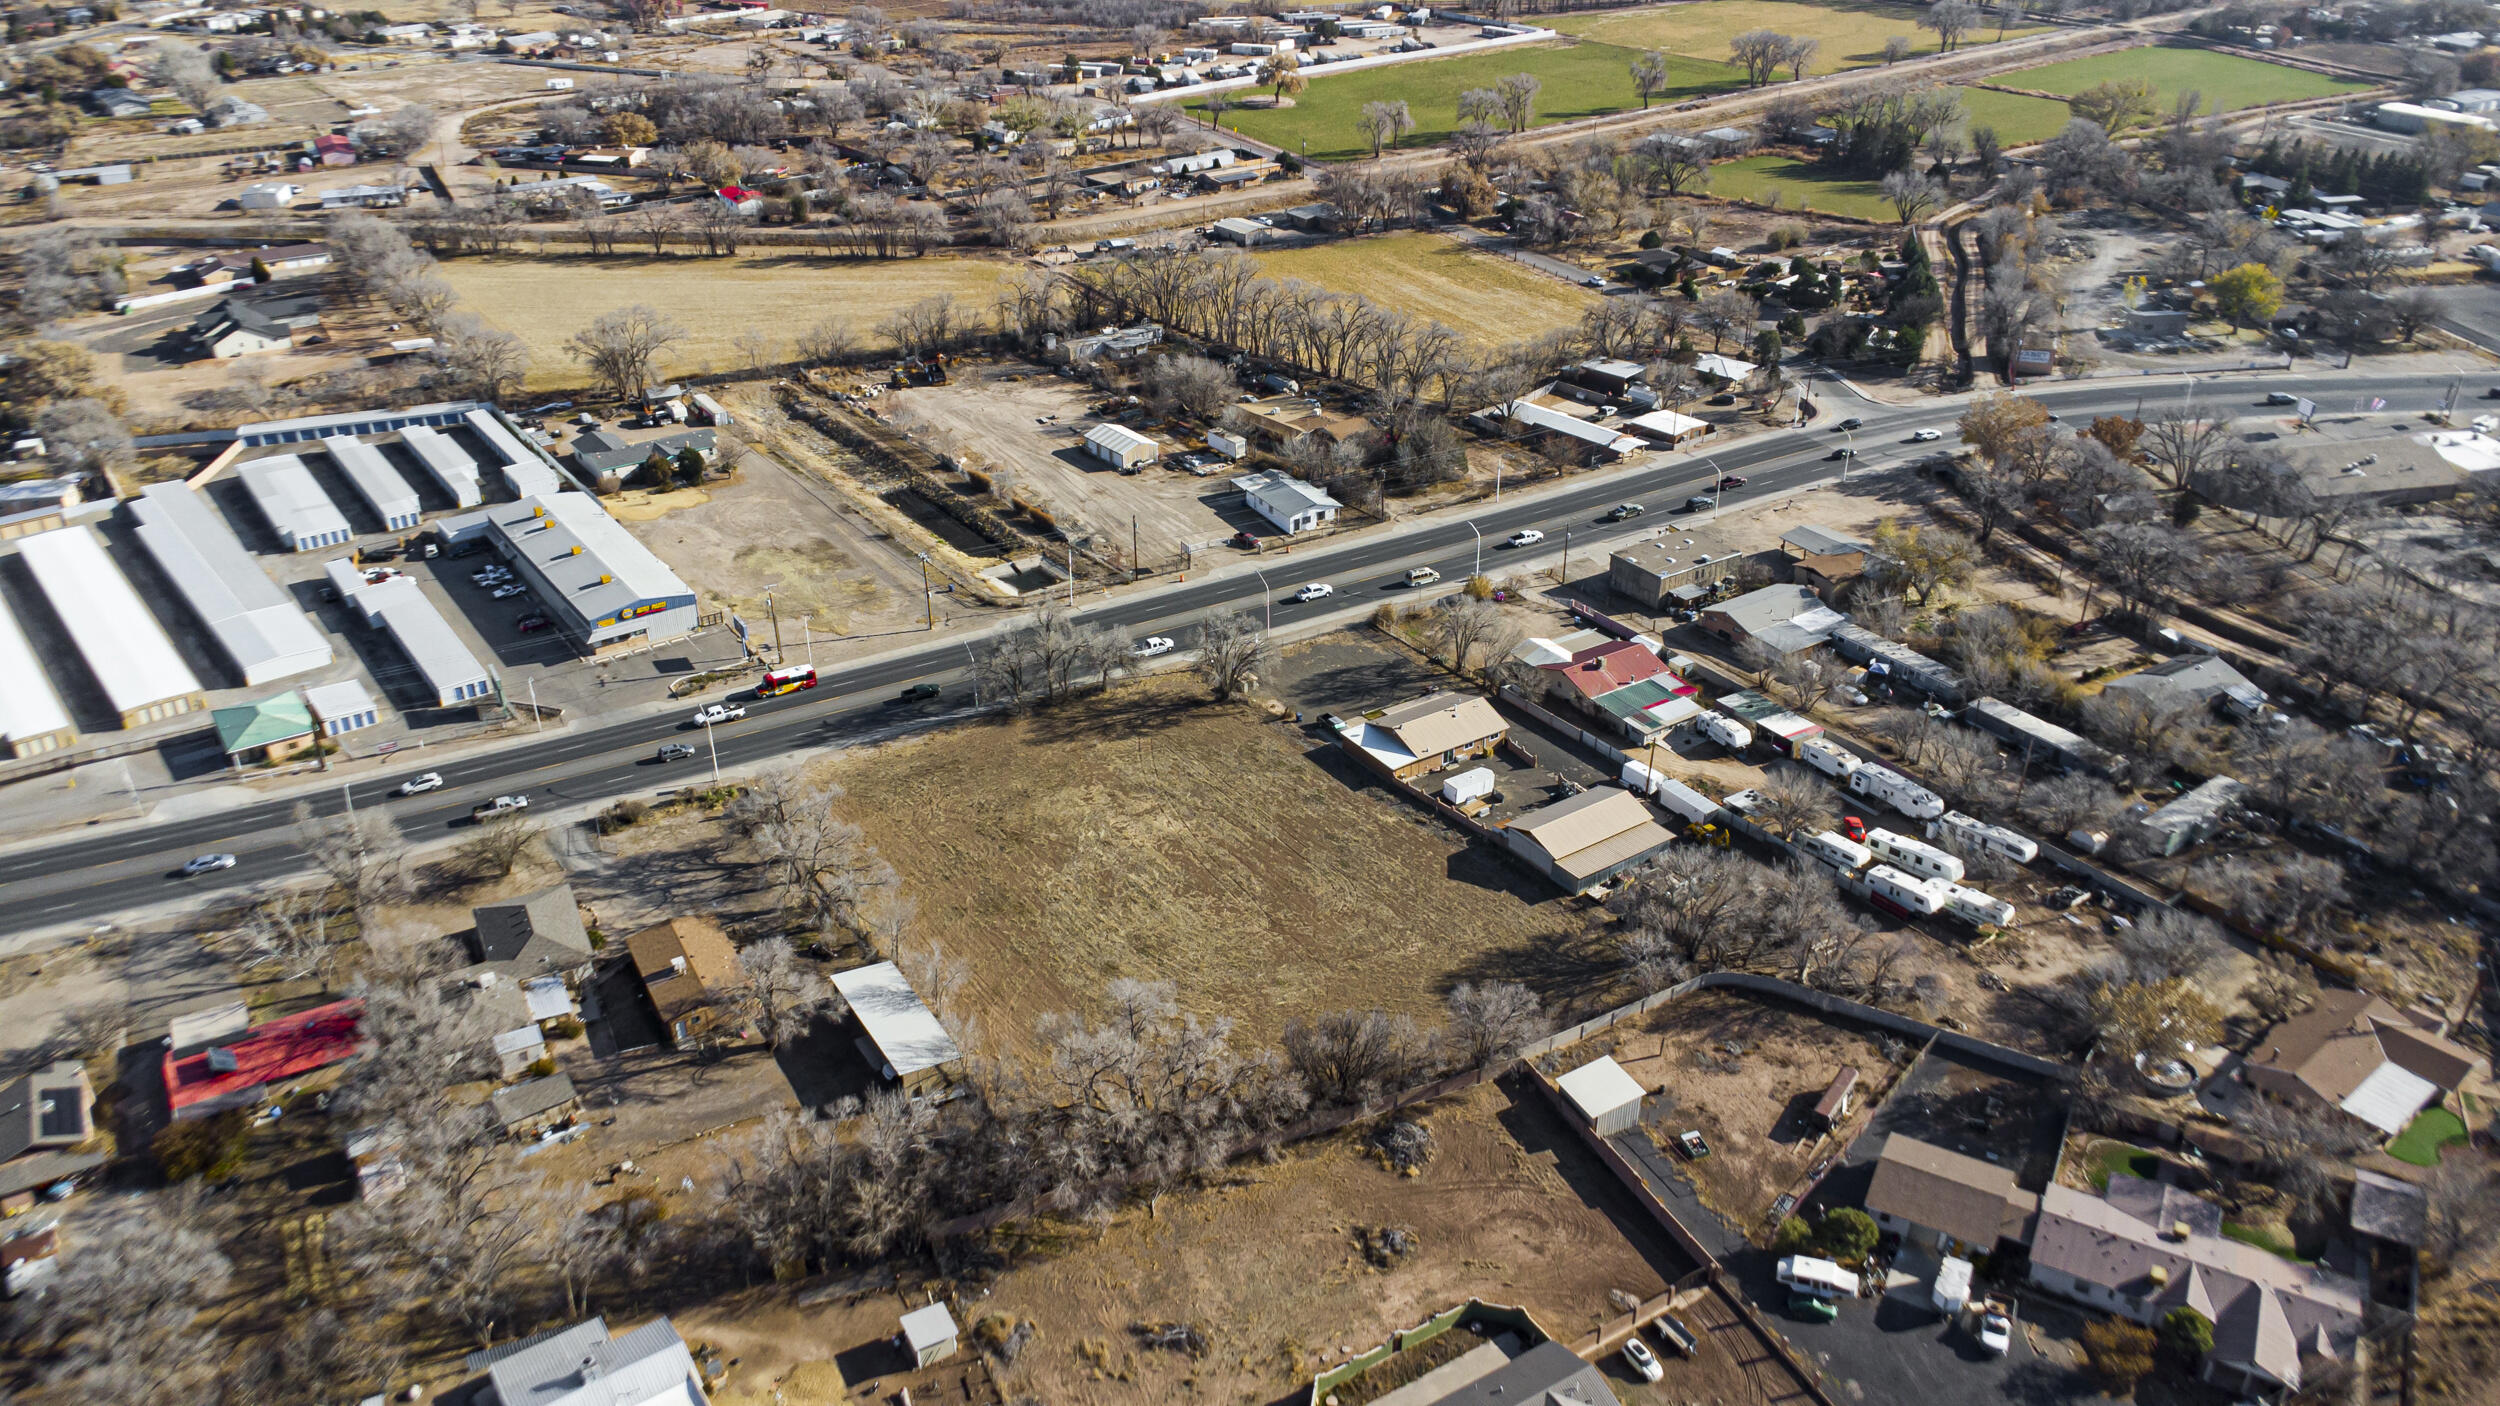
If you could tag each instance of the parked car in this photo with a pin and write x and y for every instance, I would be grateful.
(207, 864)
(1642, 1361)
(429, 781)
(1813, 1306)
(1620, 511)
(530, 623)
(1151, 646)
(1996, 1332)
(1245, 540)
(675, 752)
(1925, 436)
(1317, 590)
(1673, 1335)
(1526, 537)
(509, 591)
(711, 713)
(1722, 399)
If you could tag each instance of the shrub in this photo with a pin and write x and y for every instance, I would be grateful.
(1651, 240)
(2186, 1335)
(1787, 234)
(1795, 1237)
(563, 1027)
(1480, 588)
(2119, 1353)
(211, 1147)
(541, 1068)
(1848, 1233)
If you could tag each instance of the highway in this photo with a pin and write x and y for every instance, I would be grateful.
(81, 880)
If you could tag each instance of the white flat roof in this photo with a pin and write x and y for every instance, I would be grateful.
(1665, 422)
(906, 1032)
(344, 699)
(421, 630)
(527, 474)
(292, 502)
(383, 487)
(928, 1327)
(1600, 1087)
(255, 621)
(445, 460)
(2388, 1097)
(124, 647)
(28, 706)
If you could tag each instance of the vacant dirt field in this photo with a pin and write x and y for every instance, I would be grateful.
(1149, 834)
(1510, 1209)
(1485, 296)
(544, 301)
(1745, 1073)
(994, 416)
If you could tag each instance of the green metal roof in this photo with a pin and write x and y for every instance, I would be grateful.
(250, 725)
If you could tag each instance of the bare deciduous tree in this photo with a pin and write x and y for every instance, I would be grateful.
(621, 349)
(1490, 1021)
(775, 992)
(120, 1321)
(1349, 1057)
(1231, 650)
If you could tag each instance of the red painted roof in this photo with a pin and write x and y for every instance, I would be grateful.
(735, 195)
(1601, 669)
(268, 1053)
(332, 142)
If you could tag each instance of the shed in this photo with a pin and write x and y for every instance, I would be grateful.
(903, 1036)
(929, 1334)
(526, 1110)
(1605, 1095)
(1120, 446)
(1241, 231)
(1833, 1106)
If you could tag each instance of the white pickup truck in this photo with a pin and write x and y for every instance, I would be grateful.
(499, 807)
(711, 713)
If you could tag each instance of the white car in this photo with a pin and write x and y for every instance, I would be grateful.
(207, 864)
(1317, 590)
(1926, 436)
(1643, 1361)
(1996, 1333)
(1151, 646)
(716, 713)
(1527, 538)
(430, 781)
(508, 592)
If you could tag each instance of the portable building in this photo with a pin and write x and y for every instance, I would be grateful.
(1884, 784)
(1685, 803)
(298, 511)
(1228, 444)
(709, 410)
(1895, 663)
(1828, 757)
(141, 673)
(1121, 447)
(1833, 1106)
(1605, 1095)
(1973, 833)
(1905, 894)
(1951, 1291)
(376, 481)
(2037, 738)
(929, 1335)
(448, 463)
(1916, 856)
(2193, 817)
(256, 623)
(32, 719)
(1977, 908)
(1838, 851)
(1473, 784)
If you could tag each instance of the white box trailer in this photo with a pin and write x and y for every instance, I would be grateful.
(1977, 909)
(1905, 895)
(1846, 855)
(1725, 731)
(1690, 805)
(1473, 784)
(1952, 1288)
(1638, 778)
(1916, 856)
(1882, 783)
(1970, 832)
(1829, 758)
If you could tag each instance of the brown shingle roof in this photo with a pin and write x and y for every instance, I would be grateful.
(2330, 1048)
(682, 962)
(1940, 1189)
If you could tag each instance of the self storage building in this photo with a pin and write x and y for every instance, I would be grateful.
(142, 675)
(256, 624)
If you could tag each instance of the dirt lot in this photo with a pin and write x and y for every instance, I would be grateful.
(1751, 1105)
(1510, 1209)
(545, 301)
(1149, 834)
(770, 530)
(994, 417)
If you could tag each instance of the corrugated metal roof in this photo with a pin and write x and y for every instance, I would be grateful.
(632, 575)
(256, 622)
(905, 1030)
(28, 705)
(382, 486)
(429, 640)
(126, 650)
(293, 503)
(448, 462)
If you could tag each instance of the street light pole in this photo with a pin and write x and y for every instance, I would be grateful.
(1269, 597)
(775, 615)
(711, 738)
(1564, 579)
(1848, 441)
(1479, 571)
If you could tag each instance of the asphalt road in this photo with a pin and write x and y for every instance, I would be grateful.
(90, 878)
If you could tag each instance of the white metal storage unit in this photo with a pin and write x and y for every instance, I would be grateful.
(339, 707)
(523, 471)
(1606, 1095)
(450, 464)
(302, 515)
(138, 668)
(382, 487)
(451, 674)
(258, 625)
(32, 720)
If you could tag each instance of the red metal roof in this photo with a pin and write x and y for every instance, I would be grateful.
(1601, 669)
(332, 141)
(268, 1053)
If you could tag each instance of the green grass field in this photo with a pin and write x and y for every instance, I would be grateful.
(1801, 186)
(2431, 1129)
(2018, 119)
(2226, 80)
(2109, 1157)
(1581, 80)
(1484, 296)
(1852, 32)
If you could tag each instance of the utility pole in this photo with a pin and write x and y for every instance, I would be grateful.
(1269, 597)
(928, 598)
(711, 738)
(1132, 549)
(775, 615)
(1564, 577)
(538, 723)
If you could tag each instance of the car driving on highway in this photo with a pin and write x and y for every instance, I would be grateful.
(675, 752)
(1925, 436)
(1151, 646)
(1526, 537)
(1620, 511)
(1317, 590)
(711, 713)
(207, 864)
(427, 781)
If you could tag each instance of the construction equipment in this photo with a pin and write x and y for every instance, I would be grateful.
(1709, 835)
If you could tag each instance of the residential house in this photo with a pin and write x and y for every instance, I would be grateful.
(533, 936)
(2141, 1249)
(235, 265)
(270, 730)
(1581, 842)
(2192, 818)
(740, 199)
(901, 1037)
(1895, 662)
(2189, 682)
(231, 111)
(1318, 218)
(1284, 423)
(583, 1366)
(1622, 682)
(1607, 375)
(119, 102)
(331, 149)
(1784, 619)
(1946, 1201)
(364, 197)
(1548, 1374)
(1436, 731)
(1723, 370)
(1668, 428)
(236, 1073)
(529, 1109)
(240, 326)
(268, 195)
(49, 1110)
(608, 458)
(1673, 572)
(1290, 504)
(684, 964)
(2385, 1208)
(1592, 442)
(2358, 1052)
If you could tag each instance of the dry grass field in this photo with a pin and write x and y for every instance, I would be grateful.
(1485, 296)
(781, 294)
(1148, 834)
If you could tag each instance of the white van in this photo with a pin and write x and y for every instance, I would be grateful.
(1821, 1278)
